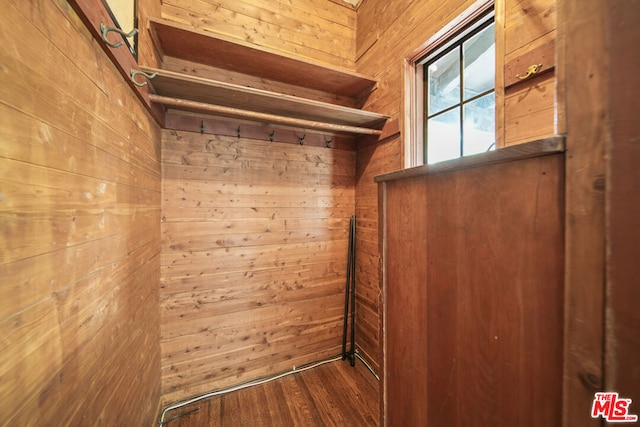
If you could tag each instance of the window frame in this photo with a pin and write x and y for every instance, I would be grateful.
(456, 44)
(414, 101)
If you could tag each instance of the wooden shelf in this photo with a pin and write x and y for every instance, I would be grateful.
(193, 93)
(215, 50)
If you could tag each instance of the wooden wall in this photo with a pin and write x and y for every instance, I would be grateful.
(254, 232)
(387, 33)
(372, 160)
(254, 255)
(475, 340)
(526, 35)
(79, 229)
(320, 30)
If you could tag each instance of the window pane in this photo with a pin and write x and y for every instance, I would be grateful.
(479, 55)
(444, 82)
(479, 125)
(443, 133)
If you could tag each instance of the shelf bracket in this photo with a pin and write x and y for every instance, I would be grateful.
(134, 73)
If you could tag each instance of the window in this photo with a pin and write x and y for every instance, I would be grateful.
(103, 19)
(123, 13)
(450, 90)
(459, 98)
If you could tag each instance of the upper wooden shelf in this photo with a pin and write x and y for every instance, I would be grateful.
(194, 93)
(215, 50)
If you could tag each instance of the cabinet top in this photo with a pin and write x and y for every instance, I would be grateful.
(536, 148)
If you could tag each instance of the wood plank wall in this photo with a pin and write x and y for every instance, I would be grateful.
(254, 232)
(372, 160)
(387, 33)
(79, 229)
(529, 32)
(254, 254)
(316, 29)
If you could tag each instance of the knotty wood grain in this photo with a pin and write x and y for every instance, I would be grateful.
(79, 215)
(528, 20)
(319, 30)
(372, 160)
(253, 257)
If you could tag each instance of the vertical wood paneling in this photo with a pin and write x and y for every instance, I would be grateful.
(317, 29)
(254, 251)
(79, 227)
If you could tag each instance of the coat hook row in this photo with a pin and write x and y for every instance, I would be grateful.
(104, 30)
(134, 73)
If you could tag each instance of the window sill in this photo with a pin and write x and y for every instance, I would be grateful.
(541, 147)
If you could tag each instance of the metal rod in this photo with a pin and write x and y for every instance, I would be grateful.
(254, 115)
(353, 291)
(346, 299)
(350, 296)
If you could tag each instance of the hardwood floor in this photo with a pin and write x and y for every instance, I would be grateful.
(333, 394)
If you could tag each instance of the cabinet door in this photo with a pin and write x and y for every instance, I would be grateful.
(473, 268)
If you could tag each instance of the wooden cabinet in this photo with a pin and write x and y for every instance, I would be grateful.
(473, 284)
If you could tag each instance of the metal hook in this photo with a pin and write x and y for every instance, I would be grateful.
(328, 142)
(301, 139)
(105, 30)
(273, 132)
(134, 73)
(238, 131)
(533, 69)
(201, 126)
